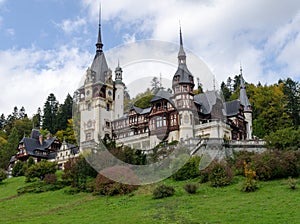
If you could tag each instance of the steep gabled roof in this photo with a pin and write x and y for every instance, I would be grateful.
(232, 107)
(206, 100)
(162, 94)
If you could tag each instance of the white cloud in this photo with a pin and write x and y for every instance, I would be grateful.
(10, 32)
(70, 26)
(262, 35)
(223, 33)
(28, 76)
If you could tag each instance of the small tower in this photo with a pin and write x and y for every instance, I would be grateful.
(183, 85)
(119, 93)
(246, 103)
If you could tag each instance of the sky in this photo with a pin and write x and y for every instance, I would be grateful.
(47, 45)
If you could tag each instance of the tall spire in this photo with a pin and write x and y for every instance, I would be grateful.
(180, 33)
(243, 94)
(181, 53)
(99, 43)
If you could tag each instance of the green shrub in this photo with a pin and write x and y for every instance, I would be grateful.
(106, 186)
(19, 169)
(219, 174)
(163, 191)
(77, 171)
(3, 175)
(292, 183)
(39, 170)
(50, 178)
(191, 188)
(238, 160)
(274, 164)
(189, 170)
(40, 186)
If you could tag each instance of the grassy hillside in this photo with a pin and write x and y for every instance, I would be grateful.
(274, 202)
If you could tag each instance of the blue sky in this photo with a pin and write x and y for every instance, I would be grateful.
(47, 45)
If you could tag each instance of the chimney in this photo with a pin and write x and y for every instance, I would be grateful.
(48, 136)
(41, 139)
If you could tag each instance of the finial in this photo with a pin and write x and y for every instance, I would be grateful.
(99, 43)
(214, 83)
(241, 70)
(180, 33)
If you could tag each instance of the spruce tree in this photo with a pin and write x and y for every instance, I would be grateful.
(50, 114)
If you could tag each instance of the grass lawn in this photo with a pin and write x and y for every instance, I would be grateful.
(274, 202)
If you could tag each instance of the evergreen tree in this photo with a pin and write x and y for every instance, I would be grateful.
(50, 114)
(37, 119)
(156, 85)
(2, 121)
(292, 99)
(226, 91)
(64, 113)
(236, 82)
(9, 148)
(22, 113)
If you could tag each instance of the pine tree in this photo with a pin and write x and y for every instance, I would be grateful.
(2, 121)
(37, 118)
(64, 113)
(50, 114)
(9, 148)
(22, 113)
(292, 99)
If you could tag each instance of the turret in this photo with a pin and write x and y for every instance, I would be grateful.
(247, 106)
(119, 93)
(183, 85)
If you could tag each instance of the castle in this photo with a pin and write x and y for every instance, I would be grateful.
(175, 116)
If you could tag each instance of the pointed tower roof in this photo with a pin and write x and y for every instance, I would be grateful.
(181, 52)
(182, 75)
(243, 94)
(99, 64)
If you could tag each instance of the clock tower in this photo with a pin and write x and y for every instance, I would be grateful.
(96, 98)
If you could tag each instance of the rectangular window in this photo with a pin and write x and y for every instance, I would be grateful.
(88, 136)
(159, 122)
(107, 107)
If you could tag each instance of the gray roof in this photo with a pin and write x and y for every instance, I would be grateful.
(243, 95)
(146, 110)
(162, 94)
(185, 76)
(232, 107)
(99, 66)
(32, 144)
(137, 109)
(206, 100)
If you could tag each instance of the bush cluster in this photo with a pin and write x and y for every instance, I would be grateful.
(77, 172)
(39, 170)
(191, 188)
(249, 184)
(3, 175)
(272, 164)
(218, 173)
(106, 186)
(190, 169)
(163, 191)
(20, 168)
(40, 186)
(50, 178)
